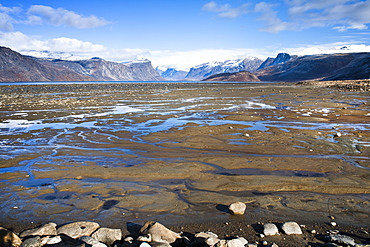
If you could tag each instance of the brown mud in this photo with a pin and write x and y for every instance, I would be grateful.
(180, 152)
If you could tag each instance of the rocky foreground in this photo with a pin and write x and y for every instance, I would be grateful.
(91, 234)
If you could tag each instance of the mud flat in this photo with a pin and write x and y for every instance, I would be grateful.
(179, 152)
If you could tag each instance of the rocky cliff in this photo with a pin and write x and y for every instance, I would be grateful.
(319, 67)
(239, 76)
(280, 58)
(16, 67)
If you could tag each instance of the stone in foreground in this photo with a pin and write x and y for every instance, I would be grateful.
(270, 229)
(159, 232)
(78, 229)
(48, 229)
(107, 235)
(291, 228)
(237, 208)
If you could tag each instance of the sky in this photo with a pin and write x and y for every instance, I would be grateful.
(183, 34)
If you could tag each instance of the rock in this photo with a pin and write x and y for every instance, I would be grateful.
(160, 244)
(274, 245)
(159, 232)
(342, 239)
(32, 242)
(243, 240)
(291, 228)
(237, 208)
(222, 243)
(145, 238)
(8, 238)
(92, 242)
(54, 240)
(78, 229)
(144, 244)
(270, 229)
(251, 245)
(107, 235)
(210, 238)
(48, 229)
(234, 243)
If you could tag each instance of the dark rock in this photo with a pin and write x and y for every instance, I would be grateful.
(32, 242)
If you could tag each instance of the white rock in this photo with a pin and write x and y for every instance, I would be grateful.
(91, 241)
(291, 228)
(270, 229)
(237, 208)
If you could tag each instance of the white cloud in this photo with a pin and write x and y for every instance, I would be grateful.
(226, 10)
(39, 14)
(269, 16)
(6, 21)
(329, 48)
(340, 15)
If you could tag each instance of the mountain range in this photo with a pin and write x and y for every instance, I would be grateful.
(15, 67)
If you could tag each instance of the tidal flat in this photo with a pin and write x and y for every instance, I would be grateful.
(181, 152)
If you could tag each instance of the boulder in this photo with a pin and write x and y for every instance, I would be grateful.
(291, 228)
(237, 208)
(48, 229)
(270, 229)
(159, 233)
(32, 242)
(8, 238)
(107, 235)
(78, 229)
(91, 242)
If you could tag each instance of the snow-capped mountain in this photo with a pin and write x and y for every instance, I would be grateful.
(206, 70)
(332, 50)
(172, 74)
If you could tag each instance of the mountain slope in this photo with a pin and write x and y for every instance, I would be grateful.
(319, 67)
(16, 67)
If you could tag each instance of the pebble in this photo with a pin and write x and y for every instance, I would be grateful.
(291, 228)
(270, 229)
(237, 208)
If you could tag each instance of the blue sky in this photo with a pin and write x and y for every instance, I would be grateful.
(182, 34)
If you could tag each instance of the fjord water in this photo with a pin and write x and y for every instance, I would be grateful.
(174, 152)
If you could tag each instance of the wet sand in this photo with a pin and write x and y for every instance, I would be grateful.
(180, 152)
